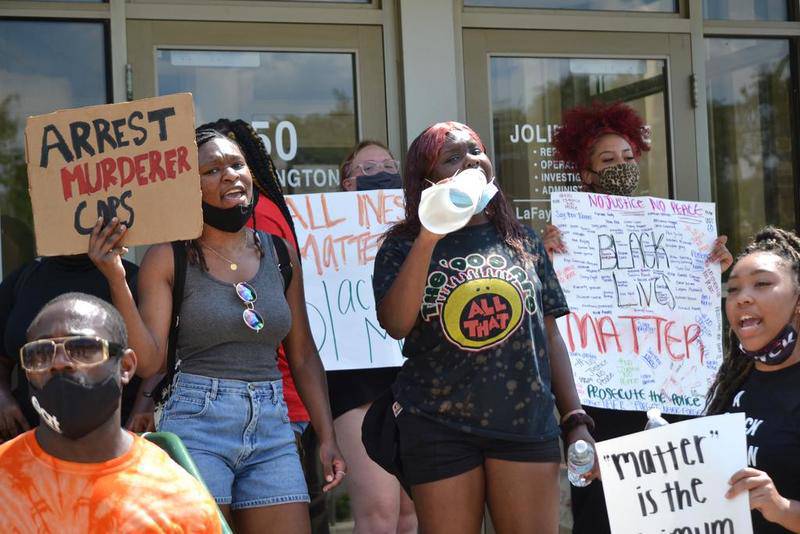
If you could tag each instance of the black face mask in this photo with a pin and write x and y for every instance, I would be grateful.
(74, 409)
(381, 180)
(229, 219)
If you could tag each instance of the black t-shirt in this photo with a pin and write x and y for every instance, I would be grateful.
(477, 356)
(24, 292)
(771, 403)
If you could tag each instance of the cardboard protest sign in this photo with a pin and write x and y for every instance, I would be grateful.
(673, 479)
(136, 161)
(644, 328)
(339, 235)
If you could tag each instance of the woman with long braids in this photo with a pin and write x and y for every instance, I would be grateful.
(226, 401)
(603, 144)
(475, 399)
(271, 215)
(760, 375)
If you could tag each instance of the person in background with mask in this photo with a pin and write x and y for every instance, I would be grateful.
(603, 144)
(377, 501)
(226, 401)
(79, 471)
(759, 376)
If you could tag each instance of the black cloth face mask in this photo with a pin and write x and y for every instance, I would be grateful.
(229, 219)
(72, 408)
(381, 180)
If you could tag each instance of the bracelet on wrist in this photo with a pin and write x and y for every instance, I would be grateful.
(574, 420)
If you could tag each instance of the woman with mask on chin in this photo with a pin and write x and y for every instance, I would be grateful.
(377, 501)
(760, 374)
(226, 401)
(603, 144)
(486, 365)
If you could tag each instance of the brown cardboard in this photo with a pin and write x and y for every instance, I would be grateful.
(136, 161)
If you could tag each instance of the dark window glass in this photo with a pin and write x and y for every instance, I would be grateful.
(746, 9)
(661, 6)
(750, 132)
(44, 66)
(303, 104)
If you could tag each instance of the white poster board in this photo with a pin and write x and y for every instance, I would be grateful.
(644, 328)
(339, 235)
(673, 479)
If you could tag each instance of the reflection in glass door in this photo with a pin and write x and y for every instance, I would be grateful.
(528, 96)
(301, 103)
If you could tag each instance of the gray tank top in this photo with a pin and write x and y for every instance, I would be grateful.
(213, 339)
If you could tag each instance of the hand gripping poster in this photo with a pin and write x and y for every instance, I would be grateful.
(644, 328)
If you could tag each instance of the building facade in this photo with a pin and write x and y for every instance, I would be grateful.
(716, 80)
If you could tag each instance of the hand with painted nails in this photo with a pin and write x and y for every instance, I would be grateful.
(551, 237)
(106, 250)
(720, 253)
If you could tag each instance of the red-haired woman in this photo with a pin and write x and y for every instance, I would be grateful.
(603, 144)
(477, 308)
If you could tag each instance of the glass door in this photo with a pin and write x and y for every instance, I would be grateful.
(311, 91)
(518, 83)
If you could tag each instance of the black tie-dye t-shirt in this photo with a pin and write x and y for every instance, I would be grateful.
(477, 355)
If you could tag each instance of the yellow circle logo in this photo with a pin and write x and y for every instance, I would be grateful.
(480, 313)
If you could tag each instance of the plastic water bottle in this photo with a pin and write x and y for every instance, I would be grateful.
(580, 460)
(654, 419)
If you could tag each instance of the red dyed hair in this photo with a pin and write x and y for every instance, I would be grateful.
(421, 158)
(582, 126)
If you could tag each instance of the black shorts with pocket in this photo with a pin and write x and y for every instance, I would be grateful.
(432, 451)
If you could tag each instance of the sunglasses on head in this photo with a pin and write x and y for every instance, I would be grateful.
(248, 296)
(81, 351)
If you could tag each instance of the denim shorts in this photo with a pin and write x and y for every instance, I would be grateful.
(239, 435)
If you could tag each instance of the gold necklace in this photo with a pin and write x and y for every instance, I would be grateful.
(233, 265)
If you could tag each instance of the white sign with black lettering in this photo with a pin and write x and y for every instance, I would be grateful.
(673, 479)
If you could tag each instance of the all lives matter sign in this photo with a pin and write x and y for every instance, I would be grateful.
(136, 161)
(673, 479)
(339, 235)
(644, 328)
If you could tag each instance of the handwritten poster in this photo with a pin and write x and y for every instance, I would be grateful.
(644, 328)
(135, 161)
(339, 235)
(673, 479)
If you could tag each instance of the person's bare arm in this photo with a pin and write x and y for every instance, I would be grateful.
(12, 421)
(309, 377)
(399, 308)
(148, 324)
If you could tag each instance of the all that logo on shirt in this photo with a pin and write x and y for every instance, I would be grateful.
(478, 301)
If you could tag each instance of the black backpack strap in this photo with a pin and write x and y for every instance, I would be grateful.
(284, 261)
(162, 390)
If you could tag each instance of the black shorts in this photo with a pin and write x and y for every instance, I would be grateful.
(431, 451)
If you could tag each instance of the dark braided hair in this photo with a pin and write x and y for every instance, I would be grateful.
(420, 161)
(265, 176)
(736, 366)
(194, 250)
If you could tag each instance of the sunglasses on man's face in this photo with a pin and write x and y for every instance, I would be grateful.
(81, 351)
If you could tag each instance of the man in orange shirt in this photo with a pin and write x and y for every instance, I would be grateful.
(79, 471)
